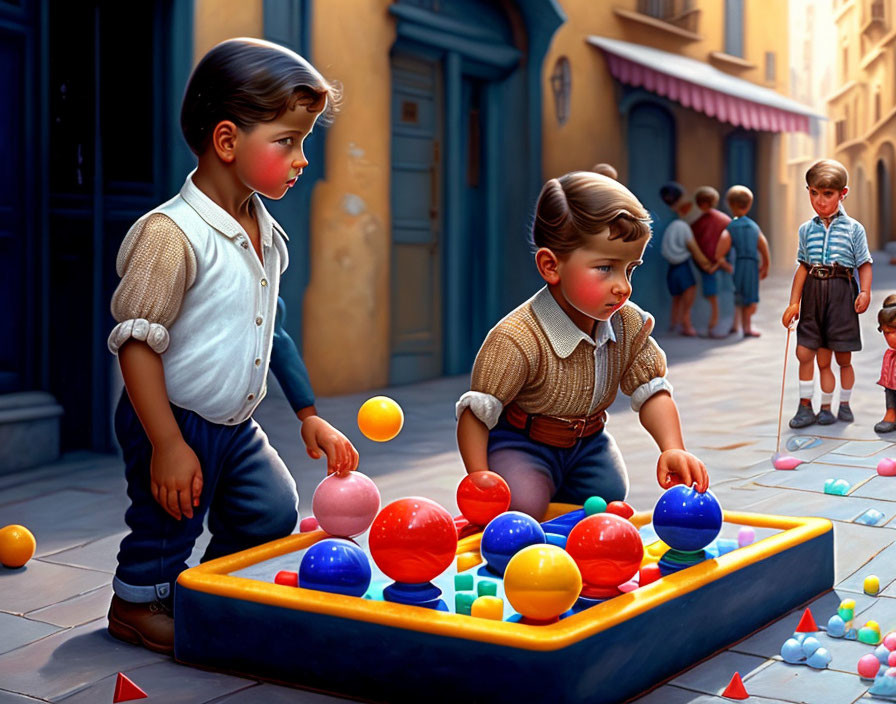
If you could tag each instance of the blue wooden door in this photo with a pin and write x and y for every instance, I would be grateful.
(16, 290)
(740, 164)
(651, 163)
(416, 290)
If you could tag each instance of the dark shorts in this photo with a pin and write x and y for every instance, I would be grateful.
(680, 278)
(828, 316)
(709, 284)
(890, 397)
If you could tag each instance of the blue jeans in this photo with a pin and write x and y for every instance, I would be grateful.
(248, 493)
(592, 467)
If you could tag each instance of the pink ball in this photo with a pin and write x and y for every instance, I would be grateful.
(868, 666)
(308, 524)
(890, 641)
(886, 467)
(891, 659)
(346, 504)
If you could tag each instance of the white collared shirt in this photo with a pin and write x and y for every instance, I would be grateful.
(216, 351)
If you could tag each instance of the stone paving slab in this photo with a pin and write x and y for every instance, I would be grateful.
(712, 676)
(81, 470)
(66, 518)
(807, 503)
(812, 476)
(273, 694)
(870, 462)
(40, 584)
(883, 610)
(669, 694)
(166, 682)
(18, 631)
(66, 662)
(97, 555)
(799, 683)
(883, 564)
(855, 545)
(11, 698)
(76, 611)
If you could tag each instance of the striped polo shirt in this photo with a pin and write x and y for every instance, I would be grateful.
(842, 242)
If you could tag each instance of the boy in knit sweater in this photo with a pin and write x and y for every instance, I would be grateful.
(547, 372)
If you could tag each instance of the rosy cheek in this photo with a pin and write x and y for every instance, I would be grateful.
(267, 168)
(588, 290)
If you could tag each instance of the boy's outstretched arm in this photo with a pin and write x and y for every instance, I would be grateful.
(472, 441)
(659, 416)
(317, 434)
(792, 312)
(175, 472)
(764, 255)
(864, 297)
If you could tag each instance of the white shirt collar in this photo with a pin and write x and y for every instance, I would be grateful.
(219, 218)
(563, 334)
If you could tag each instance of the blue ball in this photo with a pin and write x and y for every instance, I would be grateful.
(335, 565)
(507, 534)
(687, 520)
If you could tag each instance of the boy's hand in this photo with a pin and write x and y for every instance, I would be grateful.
(726, 266)
(176, 478)
(791, 313)
(763, 272)
(681, 467)
(321, 437)
(862, 301)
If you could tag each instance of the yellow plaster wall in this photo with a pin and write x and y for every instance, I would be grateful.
(346, 305)
(217, 20)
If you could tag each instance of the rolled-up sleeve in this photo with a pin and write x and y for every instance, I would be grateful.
(646, 374)
(499, 373)
(157, 266)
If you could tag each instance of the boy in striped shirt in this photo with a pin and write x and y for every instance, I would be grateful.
(825, 297)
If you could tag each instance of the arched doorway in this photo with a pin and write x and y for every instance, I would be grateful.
(651, 163)
(466, 148)
(884, 195)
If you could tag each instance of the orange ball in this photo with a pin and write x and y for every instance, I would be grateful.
(380, 418)
(17, 546)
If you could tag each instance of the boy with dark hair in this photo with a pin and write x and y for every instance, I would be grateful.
(824, 295)
(708, 229)
(197, 310)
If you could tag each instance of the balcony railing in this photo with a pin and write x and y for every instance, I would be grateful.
(680, 13)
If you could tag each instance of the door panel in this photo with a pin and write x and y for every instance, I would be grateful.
(416, 299)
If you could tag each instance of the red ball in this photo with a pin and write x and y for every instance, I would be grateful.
(481, 496)
(608, 551)
(621, 509)
(413, 540)
(649, 574)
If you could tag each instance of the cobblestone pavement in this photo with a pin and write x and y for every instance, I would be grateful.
(53, 643)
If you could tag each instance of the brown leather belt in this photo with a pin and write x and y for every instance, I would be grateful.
(830, 271)
(554, 431)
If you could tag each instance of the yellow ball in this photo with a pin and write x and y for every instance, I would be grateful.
(542, 581)
(871, 585)
(380, 418)
(17, 546)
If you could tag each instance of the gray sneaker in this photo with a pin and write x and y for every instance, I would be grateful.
(845, 413)
(804, 417)
(884, 426)
(825, 417)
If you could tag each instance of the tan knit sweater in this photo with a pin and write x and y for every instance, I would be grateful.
(517, 363)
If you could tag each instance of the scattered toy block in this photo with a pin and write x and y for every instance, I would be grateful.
(807, 623)
(735, 688)
(125, 690)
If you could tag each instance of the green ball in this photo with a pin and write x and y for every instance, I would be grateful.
(595, 504)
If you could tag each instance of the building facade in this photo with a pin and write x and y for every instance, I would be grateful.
(408, 231)
(862, 110)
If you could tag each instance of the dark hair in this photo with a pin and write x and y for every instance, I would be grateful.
(706, 195)
(671, 193)
(827, 173)
(581, 204)
(249, 81)
(887, 313)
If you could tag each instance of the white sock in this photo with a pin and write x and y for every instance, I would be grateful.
(826, 398)
(807, 388)
(844, 395)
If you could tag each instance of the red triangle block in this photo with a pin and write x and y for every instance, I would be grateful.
(735, 688)
(125, 690)
(807, 623)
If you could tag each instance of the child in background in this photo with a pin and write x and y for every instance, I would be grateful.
(197, 310)
(678, 248)
(824, 295)
(886, 323)
(708, 229)
(547, 372)
(752, 261)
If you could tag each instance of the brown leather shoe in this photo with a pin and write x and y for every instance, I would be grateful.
(150, 625)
